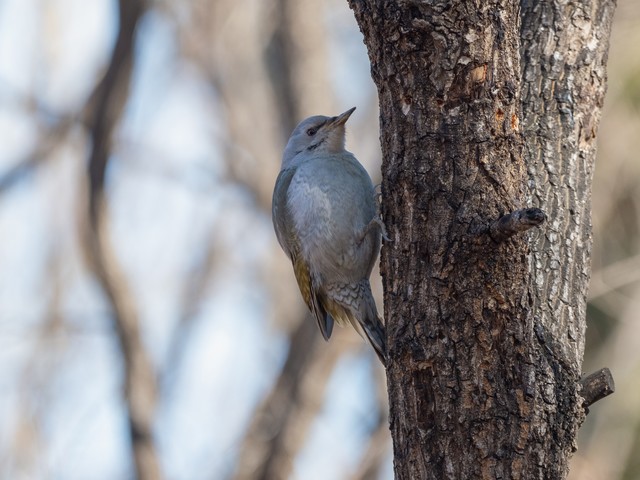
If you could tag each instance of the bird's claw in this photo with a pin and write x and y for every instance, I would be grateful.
(378, 218)
(383, 229)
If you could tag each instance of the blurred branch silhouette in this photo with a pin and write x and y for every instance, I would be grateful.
(104, 109)
(379, 441)
(277, 430)
(267, 448)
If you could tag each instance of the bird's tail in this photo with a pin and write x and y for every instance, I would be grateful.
(372, 325)
(354, 304)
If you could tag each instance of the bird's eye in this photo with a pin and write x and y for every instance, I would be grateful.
(312, 131)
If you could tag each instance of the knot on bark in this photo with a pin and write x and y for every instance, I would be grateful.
(596, 386)
(515, 222)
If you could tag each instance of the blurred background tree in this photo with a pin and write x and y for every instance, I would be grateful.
(149, 323)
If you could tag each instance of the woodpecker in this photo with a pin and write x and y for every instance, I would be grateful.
(325, 217)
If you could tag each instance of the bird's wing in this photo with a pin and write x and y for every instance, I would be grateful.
(280, 214)
(314, 298)
(289, 239)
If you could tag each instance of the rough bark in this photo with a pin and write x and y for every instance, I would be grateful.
(564, 49)
(481, 117)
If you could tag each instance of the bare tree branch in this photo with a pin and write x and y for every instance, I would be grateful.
(263, 439)
(268, 449)
(279, 55)
(193, 295)
(614, 276)
(48, 141)
(276, 448)
(103, 111)
(596, 386)
(379, 440)
(515, 222)
(377, 447)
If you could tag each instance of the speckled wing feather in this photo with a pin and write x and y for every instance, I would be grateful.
(354, 303)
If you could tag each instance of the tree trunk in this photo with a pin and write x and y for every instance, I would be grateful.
(486, 108)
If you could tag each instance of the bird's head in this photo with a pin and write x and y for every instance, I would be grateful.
(317, 134)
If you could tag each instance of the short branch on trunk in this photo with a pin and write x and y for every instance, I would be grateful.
(596, 386)
(515, 222)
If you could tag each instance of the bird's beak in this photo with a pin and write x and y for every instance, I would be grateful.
(342, 118)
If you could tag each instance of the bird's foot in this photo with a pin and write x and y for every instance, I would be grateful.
(375, 221)
(378, 218)
(383, 229)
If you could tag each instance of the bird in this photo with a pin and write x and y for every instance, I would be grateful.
(326, 220)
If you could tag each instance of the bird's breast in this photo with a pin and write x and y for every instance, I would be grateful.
(331, 200)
